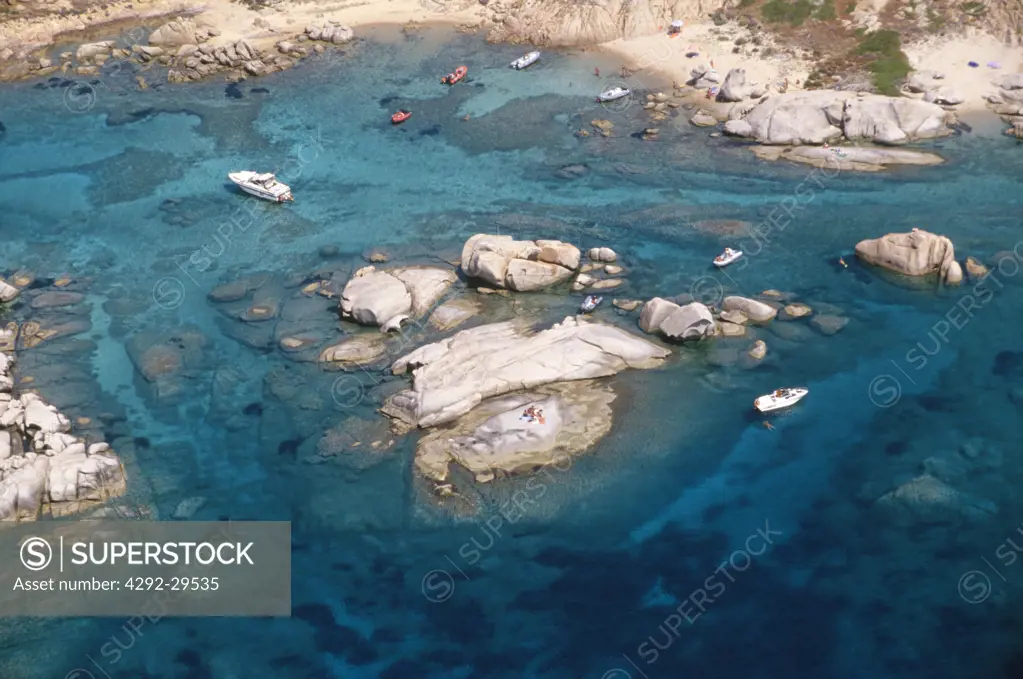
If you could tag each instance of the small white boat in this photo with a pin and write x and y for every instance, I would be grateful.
(727, 257)
(262, 185)
(780, 398)
(590, 303)
(525, 61)
(613, 94)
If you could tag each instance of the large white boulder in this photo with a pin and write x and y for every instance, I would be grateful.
(181, 31)
(734, 87)
(374, 297)
(94, 49)
(917, 253)
(8, 292)
(693, 321)
(453, 376)
(42, 416)
(754, 310)
(22, 489)
(330, 31)
(817, 116)
(503, 262)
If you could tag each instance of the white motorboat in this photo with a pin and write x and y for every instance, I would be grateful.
(727, 257)
(590, 303)
(613, 94)
(780, 398)
(525, 61)
(262, 185)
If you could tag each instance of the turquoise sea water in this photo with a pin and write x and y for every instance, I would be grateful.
(125, 192)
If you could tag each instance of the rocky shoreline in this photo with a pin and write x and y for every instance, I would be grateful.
(470, 391)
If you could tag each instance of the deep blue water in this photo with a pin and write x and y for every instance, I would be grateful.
(125, 192)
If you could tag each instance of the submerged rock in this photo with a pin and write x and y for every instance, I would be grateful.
(927, 500)
(354, 351)
(974, 269)
(453, 376)
(917, 253)
(792, 311)
(851, 158)
(829, 324)
(496, 437)
(52, 299)
(453, 313)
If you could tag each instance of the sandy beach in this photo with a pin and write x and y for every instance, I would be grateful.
(656, 56)
(235, 21)
(951, 57)
(666, 55)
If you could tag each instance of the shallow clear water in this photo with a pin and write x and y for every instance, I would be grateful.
(585, 584)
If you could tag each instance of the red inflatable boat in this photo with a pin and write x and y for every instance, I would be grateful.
(452, 78)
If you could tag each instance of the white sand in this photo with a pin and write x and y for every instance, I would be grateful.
(665, 55)
(951, 56)
(236, 21)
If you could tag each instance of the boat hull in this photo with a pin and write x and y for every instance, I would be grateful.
(728, 260)
(254, 191)
(769, 402)
(613, 96)
(525, 61)
(590, 303)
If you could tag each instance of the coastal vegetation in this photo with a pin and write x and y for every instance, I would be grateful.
(889, 64)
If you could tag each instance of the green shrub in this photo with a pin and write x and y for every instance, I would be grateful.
(851, 7)
(793, 13)
(974, 8)
(746, 3)
(826, 11)
(890, 65)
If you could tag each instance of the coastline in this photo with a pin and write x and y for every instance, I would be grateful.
(654, 61)
(664, 57)
(27, 43)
